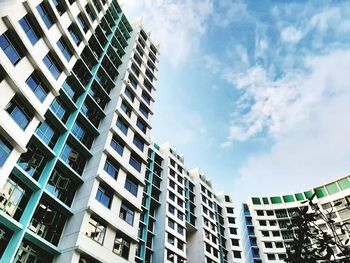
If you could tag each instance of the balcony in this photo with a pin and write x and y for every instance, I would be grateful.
(33, 161)
(101, 37)
(73, 159)
(72, 88)
(82, 134)
(93, 114)
(62, 187)
(99, 95)
(89, 58)
(48, 222)
(95, 47)
(14, 197)
(105, 82)
(82, 72)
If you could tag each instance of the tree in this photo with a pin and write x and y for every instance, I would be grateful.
(311, 243)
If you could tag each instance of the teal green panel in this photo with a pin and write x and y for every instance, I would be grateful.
(276, 200)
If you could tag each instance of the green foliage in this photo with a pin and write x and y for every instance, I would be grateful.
(311, 244)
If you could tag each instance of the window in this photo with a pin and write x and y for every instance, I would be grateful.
(11, 51)
(47, 133)
(279, 245)
(143, 110)
(146, 98)
(171, 223)
(142, 126)
(104, 196)
(233, 231)
(127, 214)
(171, 209)
(61, 187)
(133, 82)
(237, 254)
(268, 244)
(262, 222)
(47, 18)
(260, 212)
(60, 110)
(16, 197)
(234, 242)
(96, 230)
(111, 168)
(276, 233)
(122, 126)
(172, 196)
(82, 23)
(33, 161)
(121, 246)
(271, 257)
(40, 90)
(180, 229)
(126, 109)
(269, 212)
(171, 239)
(172, 184)
(73, 33)
(27, 27)
(5, 150)
(19, 114)
(62, 45)
(52, 65)
(170, 256)
(232, 220)
(90, 14)
(117, 146)
(131, 186)
(129, 94)
(265, 233)
(229, 210)
(135, 162)
(180, 215)
(46, 216)
(138, 142)
(59, 6)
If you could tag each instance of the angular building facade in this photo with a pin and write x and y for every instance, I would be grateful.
(266, 234)
(182, 219)
(77, 88)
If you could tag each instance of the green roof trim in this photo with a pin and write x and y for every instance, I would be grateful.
(276, 200)
(156, 146)
(299, 196)
(332, 188)
(308, 194)
(256, 200)
(321, 192)
(344, 183)
(266, 201)
(288, 198)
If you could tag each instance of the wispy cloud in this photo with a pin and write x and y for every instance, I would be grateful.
(291, 34)
(177, 25)
(310, 127)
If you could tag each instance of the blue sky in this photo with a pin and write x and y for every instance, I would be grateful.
(254, 93)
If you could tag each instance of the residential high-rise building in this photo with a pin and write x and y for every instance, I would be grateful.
(266, 220)
(77, 85)
(182, 219)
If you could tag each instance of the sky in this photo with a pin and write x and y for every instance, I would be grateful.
(254, 93)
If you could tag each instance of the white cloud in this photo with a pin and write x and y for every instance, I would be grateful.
(230, 12)
(325, 19)
(291, 35)
(177, 25)
(308, 120)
